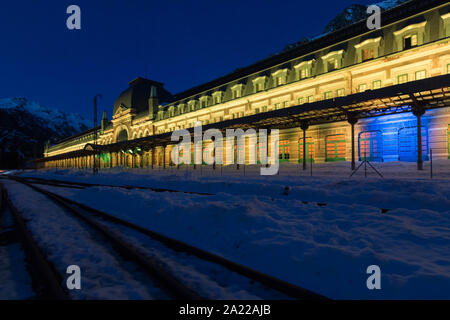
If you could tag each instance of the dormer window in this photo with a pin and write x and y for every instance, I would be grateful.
(410, 41)
(368, 49)
(171, 111)
(446, 19)
(204, 102)
(333, 60)
(236, 90)
(181, 108)
(259, 83)
(304, 69)
(410, 36)
(280, 77)
(217, 97)
(192, 104)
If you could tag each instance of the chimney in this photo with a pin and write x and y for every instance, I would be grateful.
(153, 103)
(104, 120)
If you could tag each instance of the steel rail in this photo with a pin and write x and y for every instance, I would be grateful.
(284, 287)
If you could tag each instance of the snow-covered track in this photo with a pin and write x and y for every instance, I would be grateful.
(82, 185)
(46, 279)
(268, 281)
(152, 267)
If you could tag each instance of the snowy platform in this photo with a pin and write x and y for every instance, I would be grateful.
(319, 232)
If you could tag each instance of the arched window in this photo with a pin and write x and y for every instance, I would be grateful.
(122, 136)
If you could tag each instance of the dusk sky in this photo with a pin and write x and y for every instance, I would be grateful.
(180, 43)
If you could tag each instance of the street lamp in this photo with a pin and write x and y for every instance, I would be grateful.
(94, 166)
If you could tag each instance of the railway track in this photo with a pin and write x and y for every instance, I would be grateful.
(82, 185)
(105, 224)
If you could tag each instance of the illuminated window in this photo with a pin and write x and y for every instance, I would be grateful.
(370, 146)
(285, 104)
(277, 106)
(327, 95)
(264, 108)
(309, 150)
(362, 87)
(259, 87)
(420, 75)
(332, 64)
(278, 81)
(310, 99)
(376, 84)
(403, 78)
(304, 73)
(284, 150)
(368, 54)
(335, 146)
(409, 41)
(340, 92)
(300, 100)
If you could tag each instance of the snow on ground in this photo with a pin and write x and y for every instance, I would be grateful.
(324, 248)
(15, 282)
(67, 241)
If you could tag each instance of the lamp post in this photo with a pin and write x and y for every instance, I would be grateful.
(94, 165)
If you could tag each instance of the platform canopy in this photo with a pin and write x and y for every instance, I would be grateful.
(430, 93)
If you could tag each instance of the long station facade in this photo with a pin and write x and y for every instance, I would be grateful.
(354, 94)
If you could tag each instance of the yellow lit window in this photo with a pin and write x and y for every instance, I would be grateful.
(310, 99)
(285, 104)
(420, 75)
(362, 87)
(402, 78)
(410, 41)
(376, 84)
(327, 95)
(340, 92)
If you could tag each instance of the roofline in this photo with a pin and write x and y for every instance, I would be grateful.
(387, 17)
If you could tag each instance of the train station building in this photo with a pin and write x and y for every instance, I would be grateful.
(350, 95)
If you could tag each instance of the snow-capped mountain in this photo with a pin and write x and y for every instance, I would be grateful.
(346, 17)
(25, 126)
(357, 12)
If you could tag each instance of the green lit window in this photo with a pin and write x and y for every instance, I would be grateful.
(327, 95)
(420, 75)
(376, 84)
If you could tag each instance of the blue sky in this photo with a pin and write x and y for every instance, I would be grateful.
(179, 43)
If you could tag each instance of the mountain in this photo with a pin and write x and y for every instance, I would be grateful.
(357, 12)
(25, 126)
(346, 17)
